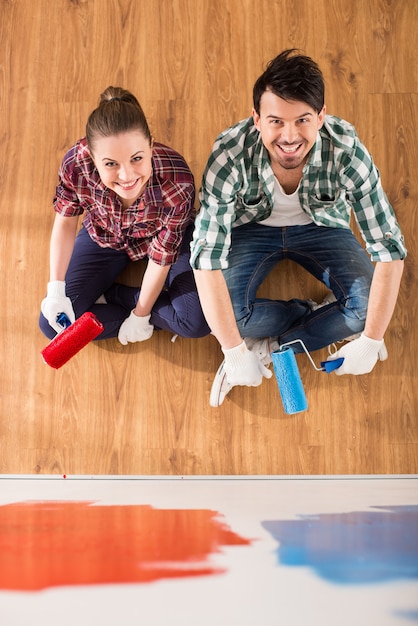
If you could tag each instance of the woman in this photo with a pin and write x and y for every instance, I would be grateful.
(137, 197)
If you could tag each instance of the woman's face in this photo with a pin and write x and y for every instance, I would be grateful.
(124, 163)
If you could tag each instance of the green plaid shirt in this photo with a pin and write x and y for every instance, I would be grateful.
(340, 176)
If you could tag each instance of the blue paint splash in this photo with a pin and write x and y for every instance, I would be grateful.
(407, 615)
(352, 548)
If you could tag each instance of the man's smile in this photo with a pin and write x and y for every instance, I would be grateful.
(289, 149)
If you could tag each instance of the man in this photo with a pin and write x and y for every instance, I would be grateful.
(282, 184)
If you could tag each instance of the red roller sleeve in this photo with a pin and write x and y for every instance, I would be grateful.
(71, 340)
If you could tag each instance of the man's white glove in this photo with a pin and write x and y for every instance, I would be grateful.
(360, 355)
(243, 367)
(135, 328)
(57, 302)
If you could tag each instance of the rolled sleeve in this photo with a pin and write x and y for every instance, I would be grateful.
(66, 200)
(217, 197)
(373, 212)
(164, 247)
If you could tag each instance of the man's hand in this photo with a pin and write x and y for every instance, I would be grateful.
(243, 367)
(360, 355)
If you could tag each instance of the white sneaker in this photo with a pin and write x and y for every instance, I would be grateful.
(220, 387)
(329, 298)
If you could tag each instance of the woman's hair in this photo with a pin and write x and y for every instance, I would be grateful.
(118, 112)
(292, 76)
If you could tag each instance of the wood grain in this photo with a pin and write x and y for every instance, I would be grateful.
(143, 409)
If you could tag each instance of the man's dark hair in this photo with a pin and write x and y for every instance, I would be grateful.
(292, 76)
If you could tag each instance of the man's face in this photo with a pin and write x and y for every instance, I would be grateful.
(288, 129)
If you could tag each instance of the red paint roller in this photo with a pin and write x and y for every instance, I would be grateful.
(72, 339)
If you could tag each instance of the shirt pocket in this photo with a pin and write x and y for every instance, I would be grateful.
(141, 229)
(97, 215)
(329, 204)
(253, 207)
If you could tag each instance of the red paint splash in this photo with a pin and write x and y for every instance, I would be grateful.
(47, 544)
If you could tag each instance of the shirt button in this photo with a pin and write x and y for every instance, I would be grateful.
(388, 235)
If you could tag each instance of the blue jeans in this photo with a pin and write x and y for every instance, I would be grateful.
(331, 255)
(93, 271)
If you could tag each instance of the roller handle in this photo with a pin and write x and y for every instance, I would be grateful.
(333, 364)
(63, 320)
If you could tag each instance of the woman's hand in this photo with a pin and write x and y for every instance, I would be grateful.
(135, 329)
(57, 302)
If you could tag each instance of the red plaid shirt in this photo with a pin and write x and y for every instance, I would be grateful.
(152, 227)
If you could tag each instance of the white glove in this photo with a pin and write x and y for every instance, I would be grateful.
(243, 367)
(57, 302)
(360, 355)
(135, 328)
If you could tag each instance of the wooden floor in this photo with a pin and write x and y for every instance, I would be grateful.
(143, 409)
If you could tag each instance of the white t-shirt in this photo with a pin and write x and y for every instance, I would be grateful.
(287, 210)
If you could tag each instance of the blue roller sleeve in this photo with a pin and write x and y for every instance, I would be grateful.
(289, 381)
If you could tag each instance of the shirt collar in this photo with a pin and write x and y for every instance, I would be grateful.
(153, 193)
(315, 157)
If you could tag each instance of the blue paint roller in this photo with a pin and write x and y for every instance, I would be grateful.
(288, 376)
(289, 381)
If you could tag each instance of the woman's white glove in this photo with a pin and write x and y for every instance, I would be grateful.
(243, 367)
(360, 355)
(57, 302)
(135, 328)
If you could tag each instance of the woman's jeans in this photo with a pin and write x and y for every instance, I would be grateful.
(93, 271)
(332, 255)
